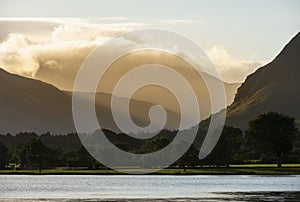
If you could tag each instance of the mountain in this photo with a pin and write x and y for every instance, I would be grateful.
(31, 105)
(273, 87)
(138, 110)
(158, 94)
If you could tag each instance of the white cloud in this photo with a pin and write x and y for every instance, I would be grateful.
(20, 53)
(67, 44)
(232, 69)
(176, 21)
(52, 64)
(16, 57)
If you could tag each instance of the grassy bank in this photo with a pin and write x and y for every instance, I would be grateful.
(249, 169)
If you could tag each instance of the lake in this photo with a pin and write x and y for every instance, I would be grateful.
(149, 188)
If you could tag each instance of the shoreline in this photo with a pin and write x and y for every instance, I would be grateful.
(233, 170)
(214, 197)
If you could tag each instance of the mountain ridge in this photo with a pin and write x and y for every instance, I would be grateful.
(31, 105)
(273, 87)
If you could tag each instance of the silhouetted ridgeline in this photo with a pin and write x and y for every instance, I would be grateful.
(273, 87)
(31, 105)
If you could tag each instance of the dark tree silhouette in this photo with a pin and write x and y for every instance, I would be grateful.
(190, 158)
(228, 147)
(84, 157)
(36, 153)
(154, 145)
(19, 155)
(273, 133)
(4, 156)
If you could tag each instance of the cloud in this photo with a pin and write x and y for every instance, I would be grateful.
(62, 48)
(232, 69)
(52, 64)
(16, 56)
(177, 21)
(90, 32)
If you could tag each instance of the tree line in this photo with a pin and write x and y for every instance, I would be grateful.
(270, 138)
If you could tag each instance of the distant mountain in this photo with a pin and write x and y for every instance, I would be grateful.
(29, 105)
(273, 87)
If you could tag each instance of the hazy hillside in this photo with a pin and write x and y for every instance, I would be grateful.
(31, 105)
(273, 87)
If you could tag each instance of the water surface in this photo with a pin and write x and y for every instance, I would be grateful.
(149, 188)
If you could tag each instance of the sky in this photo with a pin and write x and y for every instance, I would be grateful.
(239, 36)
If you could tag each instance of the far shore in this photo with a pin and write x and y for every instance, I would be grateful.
(246, 169)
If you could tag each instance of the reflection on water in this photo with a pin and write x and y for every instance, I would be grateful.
(246, 197)
(262, 196)
(134, 188)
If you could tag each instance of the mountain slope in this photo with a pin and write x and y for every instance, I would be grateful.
(32, 105)
(273, 87)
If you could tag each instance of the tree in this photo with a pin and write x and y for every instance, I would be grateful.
(228, 148)
(4, 156)
(19, 155)
(190, 158)
(36, 153)
(154, 145)
(273, 134)
(84, 157)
